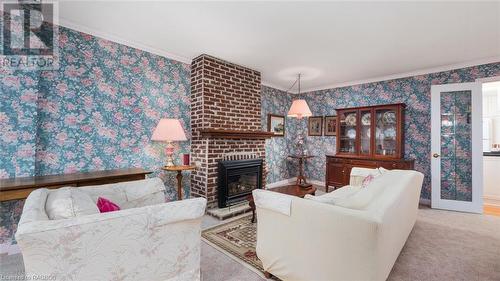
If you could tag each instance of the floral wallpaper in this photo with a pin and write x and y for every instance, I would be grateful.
(414, 91)
(96, 112)
(277, 148)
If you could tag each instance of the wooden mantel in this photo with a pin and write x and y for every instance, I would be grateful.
(235, 134)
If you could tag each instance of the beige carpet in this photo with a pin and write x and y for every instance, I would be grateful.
(442, 246)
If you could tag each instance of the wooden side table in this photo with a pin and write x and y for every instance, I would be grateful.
(179, 170)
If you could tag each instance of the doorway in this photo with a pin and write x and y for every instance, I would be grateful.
(456, 157)
(491, 144)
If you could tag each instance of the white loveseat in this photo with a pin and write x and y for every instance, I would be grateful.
(302, 239)
(151, 240)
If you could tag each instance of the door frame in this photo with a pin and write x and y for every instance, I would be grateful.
(476, 205)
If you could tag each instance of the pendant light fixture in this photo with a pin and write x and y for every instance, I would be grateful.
(299, 106)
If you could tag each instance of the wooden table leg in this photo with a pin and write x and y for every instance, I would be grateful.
(179, 185)
(301, 179)
(252, 207)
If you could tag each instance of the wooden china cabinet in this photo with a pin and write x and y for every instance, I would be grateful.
(368, 137)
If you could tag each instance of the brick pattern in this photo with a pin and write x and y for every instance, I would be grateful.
(223, 96)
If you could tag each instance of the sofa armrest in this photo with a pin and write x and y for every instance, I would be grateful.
(317, 241)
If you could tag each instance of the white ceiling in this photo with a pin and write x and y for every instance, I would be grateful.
(331, 44)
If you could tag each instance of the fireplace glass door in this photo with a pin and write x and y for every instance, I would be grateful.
(242, 183)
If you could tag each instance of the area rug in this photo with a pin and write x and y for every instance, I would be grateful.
(237, 239)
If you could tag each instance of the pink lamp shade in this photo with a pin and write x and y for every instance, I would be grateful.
(169, 130)
(299, 109)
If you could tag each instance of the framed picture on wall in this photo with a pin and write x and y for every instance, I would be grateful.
(330, 125)
(315, 126)
(276, 124)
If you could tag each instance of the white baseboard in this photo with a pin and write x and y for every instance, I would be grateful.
(281, 183)
(316, 182)
(292, 180)
(491, 200)
(426, 202)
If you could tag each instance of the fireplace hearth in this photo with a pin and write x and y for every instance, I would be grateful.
(237, 179)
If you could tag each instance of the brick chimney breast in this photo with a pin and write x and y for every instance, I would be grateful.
(224, 96)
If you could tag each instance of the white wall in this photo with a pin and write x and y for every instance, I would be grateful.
(491, 135)
(491, 182)
(491, 116)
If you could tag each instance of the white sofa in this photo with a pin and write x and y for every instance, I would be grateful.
(151, 240)
(302, 239)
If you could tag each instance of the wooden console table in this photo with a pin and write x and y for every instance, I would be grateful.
(20, 188)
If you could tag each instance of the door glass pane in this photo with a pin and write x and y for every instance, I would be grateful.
(348, 132)
(366, 119)
(386, 131)
(456, 146)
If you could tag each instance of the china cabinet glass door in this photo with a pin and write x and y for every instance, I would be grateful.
(456, 147)
(365, 132)
(386, 143)
(348, 132)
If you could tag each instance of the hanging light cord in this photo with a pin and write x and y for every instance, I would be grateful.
(293, 85)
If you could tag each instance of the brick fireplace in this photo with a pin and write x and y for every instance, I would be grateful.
(225, 119)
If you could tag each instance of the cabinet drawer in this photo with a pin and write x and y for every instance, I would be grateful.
(392, 165)
(364, 163)
(334, 160)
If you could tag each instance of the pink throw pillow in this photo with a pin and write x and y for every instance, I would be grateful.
(105, 205)
(367, 180)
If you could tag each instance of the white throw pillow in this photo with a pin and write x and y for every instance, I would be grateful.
(334, 196)
(69, 202)
(363, 197)
(359, 174)
(382, 170)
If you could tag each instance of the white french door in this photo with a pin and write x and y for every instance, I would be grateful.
(456, 147)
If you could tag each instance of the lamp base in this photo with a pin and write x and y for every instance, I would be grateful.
(169, 152)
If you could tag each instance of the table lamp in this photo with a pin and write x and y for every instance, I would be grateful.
(169, 130)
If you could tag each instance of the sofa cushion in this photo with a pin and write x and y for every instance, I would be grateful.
(334, 196)
(69, 202)
(359, 174)
(364, 196)
(132, 194)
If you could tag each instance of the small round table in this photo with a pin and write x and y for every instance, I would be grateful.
(179, 170)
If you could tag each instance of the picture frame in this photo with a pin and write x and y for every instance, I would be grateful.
(315, 126)
(330, 125)
(276, 124)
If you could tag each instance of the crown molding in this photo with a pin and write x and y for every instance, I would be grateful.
(274, 86)
(117, 39)
(406, 74)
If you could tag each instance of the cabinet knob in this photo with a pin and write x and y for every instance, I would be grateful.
(435, 155)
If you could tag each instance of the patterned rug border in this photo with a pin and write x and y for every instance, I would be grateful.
(228, 252)
(235, 258)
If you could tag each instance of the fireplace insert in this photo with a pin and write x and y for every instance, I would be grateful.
(237, 179)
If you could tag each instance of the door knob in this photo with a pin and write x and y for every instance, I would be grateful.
(435, 155)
